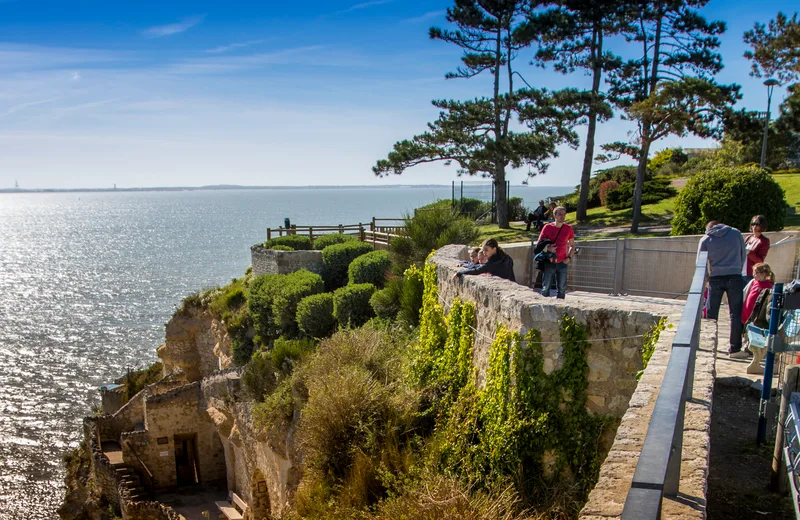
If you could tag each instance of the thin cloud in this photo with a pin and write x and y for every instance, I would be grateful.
(23, 106)
(223, 64)
(184, 25)
(76, 76)
(364, 5)
(425, 17)
(233, 46)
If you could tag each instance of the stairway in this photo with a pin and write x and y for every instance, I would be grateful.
(128, 478)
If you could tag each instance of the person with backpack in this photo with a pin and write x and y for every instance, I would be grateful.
(755, 310)
(562, 237)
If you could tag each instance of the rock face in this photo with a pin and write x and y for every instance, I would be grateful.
(197, 345)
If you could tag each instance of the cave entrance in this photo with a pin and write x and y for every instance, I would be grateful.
(186, 459)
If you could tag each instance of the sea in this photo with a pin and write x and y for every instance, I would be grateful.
(88, 280)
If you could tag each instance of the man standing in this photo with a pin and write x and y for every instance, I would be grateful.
(563, 237)
(726, 257)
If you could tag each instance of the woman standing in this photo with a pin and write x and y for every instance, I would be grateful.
(756, 246)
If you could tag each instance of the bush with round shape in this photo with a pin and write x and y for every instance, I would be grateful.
(285, 352)
(385, 303)
(278, 247)
(370, 268)
(315, 315)
(731, 195)
(351, 306)
(653, 191)
(321, 242)
(605, 188)
(294, 287)
(296, 242)
(260, 298)
(336, 259)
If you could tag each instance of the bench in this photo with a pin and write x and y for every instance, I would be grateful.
(229, 509)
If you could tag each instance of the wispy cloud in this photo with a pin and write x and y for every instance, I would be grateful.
(425, 17)
(364, 5)
(29, 104)
(233, 46)
(184, 25)
(224, 64)
(76, 76)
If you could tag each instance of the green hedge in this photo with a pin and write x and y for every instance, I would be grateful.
(731, 195)
(336, 259)
(351, 304)
(260, 298)
(279, 247)
(258, 378)
(296, 242)
(652, 192)
(315, 315)
(287, 351)
(324, 241)
(295, 287)
(369, 268)
(385, 303)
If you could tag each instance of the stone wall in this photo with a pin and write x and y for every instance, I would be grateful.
(268, 261)
(613, 363)
(148, 511)
(103, 473)
(196, 344)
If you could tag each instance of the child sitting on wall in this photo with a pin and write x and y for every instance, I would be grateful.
(757, 294)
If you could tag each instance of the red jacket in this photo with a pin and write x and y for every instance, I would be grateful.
(757, 249)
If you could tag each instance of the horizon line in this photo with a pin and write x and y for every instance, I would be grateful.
(223, 187)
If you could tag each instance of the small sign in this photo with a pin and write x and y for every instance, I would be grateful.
(163, 440)
(262, 486)
(163, 454)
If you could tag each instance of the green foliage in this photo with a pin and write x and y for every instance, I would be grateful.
(654, 191)
(323, 241)
(429, 230)
(336, 260)
(516, 209)
(259, 376)
(279, 247)
(229, 298)
(665, 160)
(730, 195)
(293, 288)
(260, 299)
(606, 188)
(649, 346)
(371, 268)
(385, 302)
(286, 352)
(411, 296)
(351, 306)
(775, 48)
(315, 315)
(136, 380)
(296, 242)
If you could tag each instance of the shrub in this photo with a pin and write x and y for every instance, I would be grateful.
(386, 302)
(652, 192)
(324, 241)
(429, 230)
(731, 195)
(258, 377)
(296, 242)
(605, 188)
(336, 260)
(411, 297)
(279, 247)
(516, 209)
(286, 351)
(293, 288)
(261, 296)
(351, 304)
(369, 268)
(315, 315)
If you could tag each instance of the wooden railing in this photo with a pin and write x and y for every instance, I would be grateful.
(378, 237)
(388, 225)
(314, 231)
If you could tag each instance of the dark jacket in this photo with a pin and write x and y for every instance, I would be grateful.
(500, 264)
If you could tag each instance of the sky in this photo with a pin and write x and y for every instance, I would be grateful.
(97, 93)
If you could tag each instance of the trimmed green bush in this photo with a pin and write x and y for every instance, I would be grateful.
(258, 378)
(385, 303)
(279, 247)
(351, 304)
(315, 315)
(411, 296)
(652, 192)
(294, 287)
(428, 230)
(731, 195)
(260, 298)
(336, 260)
(324, 241)
(369, 268)
(296, 242)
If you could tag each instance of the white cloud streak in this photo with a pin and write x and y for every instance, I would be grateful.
(364, 5)
(425, 17)
(184, 25)
(233, 46)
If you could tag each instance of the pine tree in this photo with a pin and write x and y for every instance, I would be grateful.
(669, 87)
(776, 48)
(478, 134)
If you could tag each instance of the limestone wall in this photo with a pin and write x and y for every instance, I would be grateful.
(612, 363)
(268, 261)
(196, 344)
(148, 511)
(104, 476)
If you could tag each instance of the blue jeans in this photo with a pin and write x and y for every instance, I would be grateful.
(733, 287)
(560, 271)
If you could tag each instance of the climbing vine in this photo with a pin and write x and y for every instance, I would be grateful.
(649, 346)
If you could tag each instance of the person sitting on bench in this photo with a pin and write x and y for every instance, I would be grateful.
(536, 217)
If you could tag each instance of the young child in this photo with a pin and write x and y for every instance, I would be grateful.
(474, 259)
(763, 279)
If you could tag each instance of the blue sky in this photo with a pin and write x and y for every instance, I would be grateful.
(185, 93)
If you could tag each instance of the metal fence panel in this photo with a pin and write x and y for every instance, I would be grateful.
(595, 268)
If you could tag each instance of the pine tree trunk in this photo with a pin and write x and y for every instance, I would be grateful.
(588, 156)
(501, 198)
(641, 171)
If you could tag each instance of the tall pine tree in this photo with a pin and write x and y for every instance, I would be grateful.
(573, 36)
(669, 87)
(479, 134)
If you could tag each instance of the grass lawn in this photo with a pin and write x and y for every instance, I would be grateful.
(516, 233)
(660, 212)
(790, 182)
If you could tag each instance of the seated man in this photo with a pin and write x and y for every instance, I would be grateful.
(536, 217)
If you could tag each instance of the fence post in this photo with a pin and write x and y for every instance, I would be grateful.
(341, 229)
(311, 234)
(372, 225)
(269, 234)
(619, 266)
(769, 362)
(361, 231)
(778, 477)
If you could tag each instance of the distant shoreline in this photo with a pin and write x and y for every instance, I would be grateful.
(225, 187)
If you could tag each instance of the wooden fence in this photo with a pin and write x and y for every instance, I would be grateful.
(379, 232)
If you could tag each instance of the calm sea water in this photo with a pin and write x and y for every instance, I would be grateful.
(88, 280)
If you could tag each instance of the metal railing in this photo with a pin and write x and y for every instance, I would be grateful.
(658, 471)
